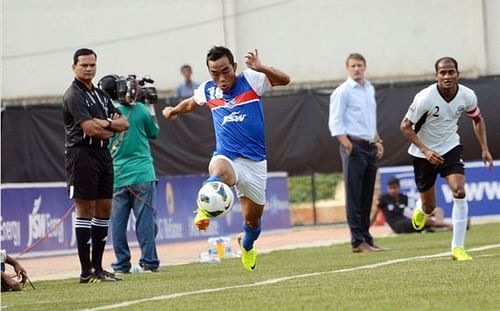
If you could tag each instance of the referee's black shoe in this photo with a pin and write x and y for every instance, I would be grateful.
(91, 278)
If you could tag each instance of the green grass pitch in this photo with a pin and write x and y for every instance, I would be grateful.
(398, 282)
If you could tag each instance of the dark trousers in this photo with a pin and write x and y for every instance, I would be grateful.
(360, 171)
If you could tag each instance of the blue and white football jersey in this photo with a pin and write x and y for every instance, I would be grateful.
(237, 115)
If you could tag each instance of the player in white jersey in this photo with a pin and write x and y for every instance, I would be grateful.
(240, 157)
(431, 127)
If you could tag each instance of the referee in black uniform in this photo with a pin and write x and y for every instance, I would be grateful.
(90, 119)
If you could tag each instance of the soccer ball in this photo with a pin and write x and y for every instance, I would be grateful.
(215, 198)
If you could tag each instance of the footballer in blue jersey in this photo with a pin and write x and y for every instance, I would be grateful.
(240, 156)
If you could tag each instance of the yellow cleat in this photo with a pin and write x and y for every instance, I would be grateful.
(459, 254)
(248, 258)
(418, 218)
(201, 220)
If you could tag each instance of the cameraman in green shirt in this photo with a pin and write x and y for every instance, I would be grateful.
(135, 178)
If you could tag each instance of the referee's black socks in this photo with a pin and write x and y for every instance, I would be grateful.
(82, 231)
(99, 236)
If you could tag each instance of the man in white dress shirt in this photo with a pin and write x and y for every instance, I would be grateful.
(353, 121)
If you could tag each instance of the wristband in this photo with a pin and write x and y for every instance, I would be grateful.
(109, 124)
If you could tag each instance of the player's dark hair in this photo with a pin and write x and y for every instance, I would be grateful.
(446, 59)
(218, 52)
(355, 56)
(82, 52)
(393, 181)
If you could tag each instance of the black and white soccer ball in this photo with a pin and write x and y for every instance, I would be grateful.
(215, 198)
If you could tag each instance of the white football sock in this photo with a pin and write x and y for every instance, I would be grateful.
(459, 219)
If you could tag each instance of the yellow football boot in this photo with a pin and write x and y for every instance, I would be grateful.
(201, 221)
(248, 258)
(418, 218)
(459, 254)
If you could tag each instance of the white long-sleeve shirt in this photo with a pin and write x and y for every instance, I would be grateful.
(353, 110)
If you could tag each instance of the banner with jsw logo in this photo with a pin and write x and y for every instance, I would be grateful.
(34, 212)
(482, 188)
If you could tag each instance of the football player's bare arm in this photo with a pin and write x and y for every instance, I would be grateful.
(185, 106)
(406, 128)
(480, 131)
(277, 77)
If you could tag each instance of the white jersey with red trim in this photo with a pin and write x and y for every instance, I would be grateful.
(237, 115)
(435, 120)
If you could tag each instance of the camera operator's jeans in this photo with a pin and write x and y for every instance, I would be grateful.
(140, 198)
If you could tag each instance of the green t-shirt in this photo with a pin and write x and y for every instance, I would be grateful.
(132, 159)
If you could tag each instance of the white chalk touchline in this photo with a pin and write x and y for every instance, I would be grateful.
(282, 279)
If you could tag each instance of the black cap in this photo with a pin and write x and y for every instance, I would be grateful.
(108, 85)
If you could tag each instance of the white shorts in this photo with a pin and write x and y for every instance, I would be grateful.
(251, 178)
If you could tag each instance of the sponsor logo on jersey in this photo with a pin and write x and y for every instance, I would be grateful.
(234, 117)
(230, 103)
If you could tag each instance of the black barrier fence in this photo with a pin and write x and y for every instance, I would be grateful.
(297, 134)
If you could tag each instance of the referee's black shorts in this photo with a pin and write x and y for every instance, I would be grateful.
(89, 173)
(426, 173)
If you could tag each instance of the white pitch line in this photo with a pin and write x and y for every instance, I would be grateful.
(282, 279)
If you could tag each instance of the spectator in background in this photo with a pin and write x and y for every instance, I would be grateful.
(393, 205)
(353, 121)
(187, 87)
(134, 186)
(9, 283)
